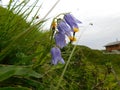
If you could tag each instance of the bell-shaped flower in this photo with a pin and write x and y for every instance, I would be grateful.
(60, 40)
(72, 22)
(56, 56)
(64, 28)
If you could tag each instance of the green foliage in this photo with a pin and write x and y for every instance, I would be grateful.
(9, 71)
(14, 88)
(17, 37)
(88, 70)
(25, 58)
(19, 45)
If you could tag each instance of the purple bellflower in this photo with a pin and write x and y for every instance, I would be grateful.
(64, 28)
(60, 40)
(56, 56)
(72, 22)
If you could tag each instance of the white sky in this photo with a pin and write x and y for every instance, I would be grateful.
(104, 14)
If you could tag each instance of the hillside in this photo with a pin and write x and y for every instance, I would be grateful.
(94, 65)
(98, 56)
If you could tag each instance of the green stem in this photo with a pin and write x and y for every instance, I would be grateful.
(61, 77)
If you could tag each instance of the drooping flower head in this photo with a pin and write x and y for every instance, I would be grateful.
(56, 56)
(72, 21)
(60, 40)
(64, 28)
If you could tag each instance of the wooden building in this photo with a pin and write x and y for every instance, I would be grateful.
(113, 46)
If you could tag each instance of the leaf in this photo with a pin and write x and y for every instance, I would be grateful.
(6, 71)
(15, 88)
(27, 71)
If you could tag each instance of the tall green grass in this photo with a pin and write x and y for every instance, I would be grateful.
(22, 47)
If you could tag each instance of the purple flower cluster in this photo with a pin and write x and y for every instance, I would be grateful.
(65, 27)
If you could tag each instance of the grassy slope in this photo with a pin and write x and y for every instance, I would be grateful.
(86, 63)
(99, 58)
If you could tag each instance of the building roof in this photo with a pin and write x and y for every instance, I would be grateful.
(112, 43)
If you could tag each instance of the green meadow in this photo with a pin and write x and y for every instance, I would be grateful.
(25, 59)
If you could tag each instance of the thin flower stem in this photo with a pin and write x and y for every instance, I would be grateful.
(61, 14)
(61, 77)
(65, 68)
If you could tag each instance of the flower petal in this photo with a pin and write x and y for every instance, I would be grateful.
(62, 61)
(56, 56)
(71, 20)
(64, 28)
(60, 40)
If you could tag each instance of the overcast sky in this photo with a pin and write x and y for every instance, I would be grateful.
(104, 14)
